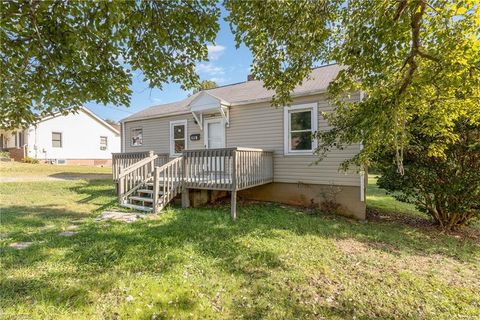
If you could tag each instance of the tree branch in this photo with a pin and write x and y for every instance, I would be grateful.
(415, 24)
(401, 7)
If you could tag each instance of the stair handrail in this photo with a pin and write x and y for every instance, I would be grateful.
(125, 159)
(136, 165)
(129, 181)
(172, 175)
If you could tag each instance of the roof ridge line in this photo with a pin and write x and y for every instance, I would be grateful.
(240, 82)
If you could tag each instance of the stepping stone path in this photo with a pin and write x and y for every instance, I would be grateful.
(79, 221)
(72, 227)
(127, 217)
(20, 245)
(66, 234)
(47, 227)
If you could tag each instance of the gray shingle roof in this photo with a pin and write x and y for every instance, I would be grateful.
(172, 108)
(244, 92)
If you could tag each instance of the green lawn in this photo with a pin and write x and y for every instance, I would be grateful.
(27, 169)
(378, 199)
(274, 262)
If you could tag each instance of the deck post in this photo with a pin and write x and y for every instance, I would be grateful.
(185, 197)
(156, 188)
(233, 205)
(120, 188)
(152, 164)
(233, 201)
(185, 190)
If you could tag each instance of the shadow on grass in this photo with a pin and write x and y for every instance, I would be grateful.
(160, 246)
(81, 175)
(100, 192)
(18, 217)
(14, 290)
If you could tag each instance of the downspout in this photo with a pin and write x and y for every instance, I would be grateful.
(362, 171)
(122, 137)
(35, 147)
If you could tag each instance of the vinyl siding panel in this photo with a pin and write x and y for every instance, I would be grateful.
(261, 126)
(156, 134)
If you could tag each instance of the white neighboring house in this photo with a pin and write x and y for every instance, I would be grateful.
(78, 138)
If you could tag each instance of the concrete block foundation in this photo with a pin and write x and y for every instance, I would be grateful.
(200, 197)
(310, 195)
(306, 195)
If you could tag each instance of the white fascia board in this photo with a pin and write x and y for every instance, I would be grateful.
(205, 102)
(155, 116)
(88, 112)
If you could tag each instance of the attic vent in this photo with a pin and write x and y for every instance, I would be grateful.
(250, 77)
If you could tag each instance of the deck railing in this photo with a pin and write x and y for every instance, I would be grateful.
(121, 161)
(230, 169)
(253, 167)
(227, 168)
(208, 168)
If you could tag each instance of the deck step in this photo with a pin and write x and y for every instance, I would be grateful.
(138, 198)
(149, 191)
(161, 182)
(137, 207)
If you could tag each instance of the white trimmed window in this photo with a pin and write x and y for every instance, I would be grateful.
(178, 137)
(136, 137)
(300, 123)
(103, 143)
(57, 140)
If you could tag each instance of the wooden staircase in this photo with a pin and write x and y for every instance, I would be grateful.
(145, 187)
(141, 199)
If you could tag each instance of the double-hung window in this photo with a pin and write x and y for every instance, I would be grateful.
(136, 137)
(103, 143)
(178, 137)
(300, 123)
(57, 139)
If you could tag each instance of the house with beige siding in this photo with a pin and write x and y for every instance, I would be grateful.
(231, 140)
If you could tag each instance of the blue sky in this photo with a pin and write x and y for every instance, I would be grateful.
(226, 65)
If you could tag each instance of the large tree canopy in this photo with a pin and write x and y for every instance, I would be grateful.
(57, 55)
(410, 58)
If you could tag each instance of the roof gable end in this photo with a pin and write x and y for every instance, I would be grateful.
(206, 101)
(87, 112)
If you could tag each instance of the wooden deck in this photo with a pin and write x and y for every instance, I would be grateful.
(228, 169)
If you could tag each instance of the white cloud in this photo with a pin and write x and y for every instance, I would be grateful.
(215, 52)
(210, 69)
